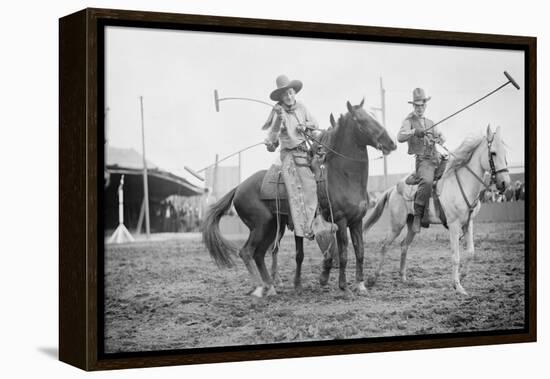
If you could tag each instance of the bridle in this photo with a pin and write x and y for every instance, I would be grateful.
(492, 168)
(376, 137)
(494, 171)
(378, 146)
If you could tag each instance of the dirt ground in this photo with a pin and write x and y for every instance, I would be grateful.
(170, 295)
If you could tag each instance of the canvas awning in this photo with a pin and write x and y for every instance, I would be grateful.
(162, 183)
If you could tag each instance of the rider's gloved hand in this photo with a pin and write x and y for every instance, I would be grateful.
(271, 146)
(419, 133)
(279, 110)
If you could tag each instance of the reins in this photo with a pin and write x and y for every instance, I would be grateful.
(493, 169)
(494, 172)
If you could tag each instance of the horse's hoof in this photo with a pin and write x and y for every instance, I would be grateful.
(298, 288)
(371, 281)
(361, 289)
(258, 292)
(404, 278)
(460, 290)
(271, 291)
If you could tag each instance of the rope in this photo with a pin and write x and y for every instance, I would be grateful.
(276, 243)
(325, 176)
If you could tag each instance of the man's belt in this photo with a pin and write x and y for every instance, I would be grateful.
(301, 147)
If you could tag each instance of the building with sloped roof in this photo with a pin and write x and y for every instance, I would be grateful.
(162, 184)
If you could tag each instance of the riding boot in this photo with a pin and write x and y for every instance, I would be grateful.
(425, 222)
(418, 214)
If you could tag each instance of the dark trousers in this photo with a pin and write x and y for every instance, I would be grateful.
(427, 169)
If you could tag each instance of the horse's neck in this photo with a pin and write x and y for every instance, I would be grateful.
(472, 185)
(353, 173)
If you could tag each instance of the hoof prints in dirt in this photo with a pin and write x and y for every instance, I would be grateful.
(169, 294)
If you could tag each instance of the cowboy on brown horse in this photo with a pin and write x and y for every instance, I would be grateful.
(288, 123)
(421, 136)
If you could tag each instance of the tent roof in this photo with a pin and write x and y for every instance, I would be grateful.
(161, 183)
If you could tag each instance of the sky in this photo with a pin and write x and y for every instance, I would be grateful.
(177, 72)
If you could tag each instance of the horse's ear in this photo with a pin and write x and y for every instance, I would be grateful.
(362, 102)
(350, 108)
(332, 121)
(489, 132)
(497, 132)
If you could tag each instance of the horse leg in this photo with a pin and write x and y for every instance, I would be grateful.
(247, 255)
(299, 259)
(470, 250)
(356, 231)
(404, 249)
(269, 231)
(327, 265)
(395, 231)
(325, 271)
(342, 237)
(274, 257)
(454, 234)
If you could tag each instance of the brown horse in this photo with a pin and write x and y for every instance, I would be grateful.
(347, 171)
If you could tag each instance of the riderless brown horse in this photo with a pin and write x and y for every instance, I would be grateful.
(347, 171)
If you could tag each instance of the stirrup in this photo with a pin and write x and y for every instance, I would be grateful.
(416, 224)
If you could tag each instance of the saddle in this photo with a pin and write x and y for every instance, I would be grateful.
(414, 180)
(273, 190)
(273, 193)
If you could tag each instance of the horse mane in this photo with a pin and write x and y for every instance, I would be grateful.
(463, 153)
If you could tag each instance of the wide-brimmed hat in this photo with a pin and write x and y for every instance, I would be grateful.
(419, 97)
(282, 85)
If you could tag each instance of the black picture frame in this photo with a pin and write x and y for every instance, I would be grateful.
(81, 42)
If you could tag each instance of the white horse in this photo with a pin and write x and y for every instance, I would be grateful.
(458, 190)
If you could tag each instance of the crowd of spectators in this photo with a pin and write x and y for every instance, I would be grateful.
(515, 192)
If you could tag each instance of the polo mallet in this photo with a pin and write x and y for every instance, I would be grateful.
(218, 100)
(510, 80)
(197, 175)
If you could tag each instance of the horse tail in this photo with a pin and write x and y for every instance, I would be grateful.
(220, 249)
(377, 211)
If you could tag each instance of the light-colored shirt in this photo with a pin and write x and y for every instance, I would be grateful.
(287, 131)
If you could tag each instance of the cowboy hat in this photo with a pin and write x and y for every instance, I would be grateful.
(282, 85)
(419, 97)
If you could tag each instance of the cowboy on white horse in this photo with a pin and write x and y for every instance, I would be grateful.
(421, 136)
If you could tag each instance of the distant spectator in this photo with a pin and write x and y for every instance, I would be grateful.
(509, 193)
(519, 190)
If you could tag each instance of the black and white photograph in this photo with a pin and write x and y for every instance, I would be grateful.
(264, 190)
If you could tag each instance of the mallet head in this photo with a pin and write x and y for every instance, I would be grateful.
(216, 100)
(511, 80)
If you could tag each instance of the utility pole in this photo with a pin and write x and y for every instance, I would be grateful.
(382, 110)
(215, 179)
(145, 181)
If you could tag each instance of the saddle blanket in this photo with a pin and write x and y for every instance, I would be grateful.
(407, 189)
(273, 182)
